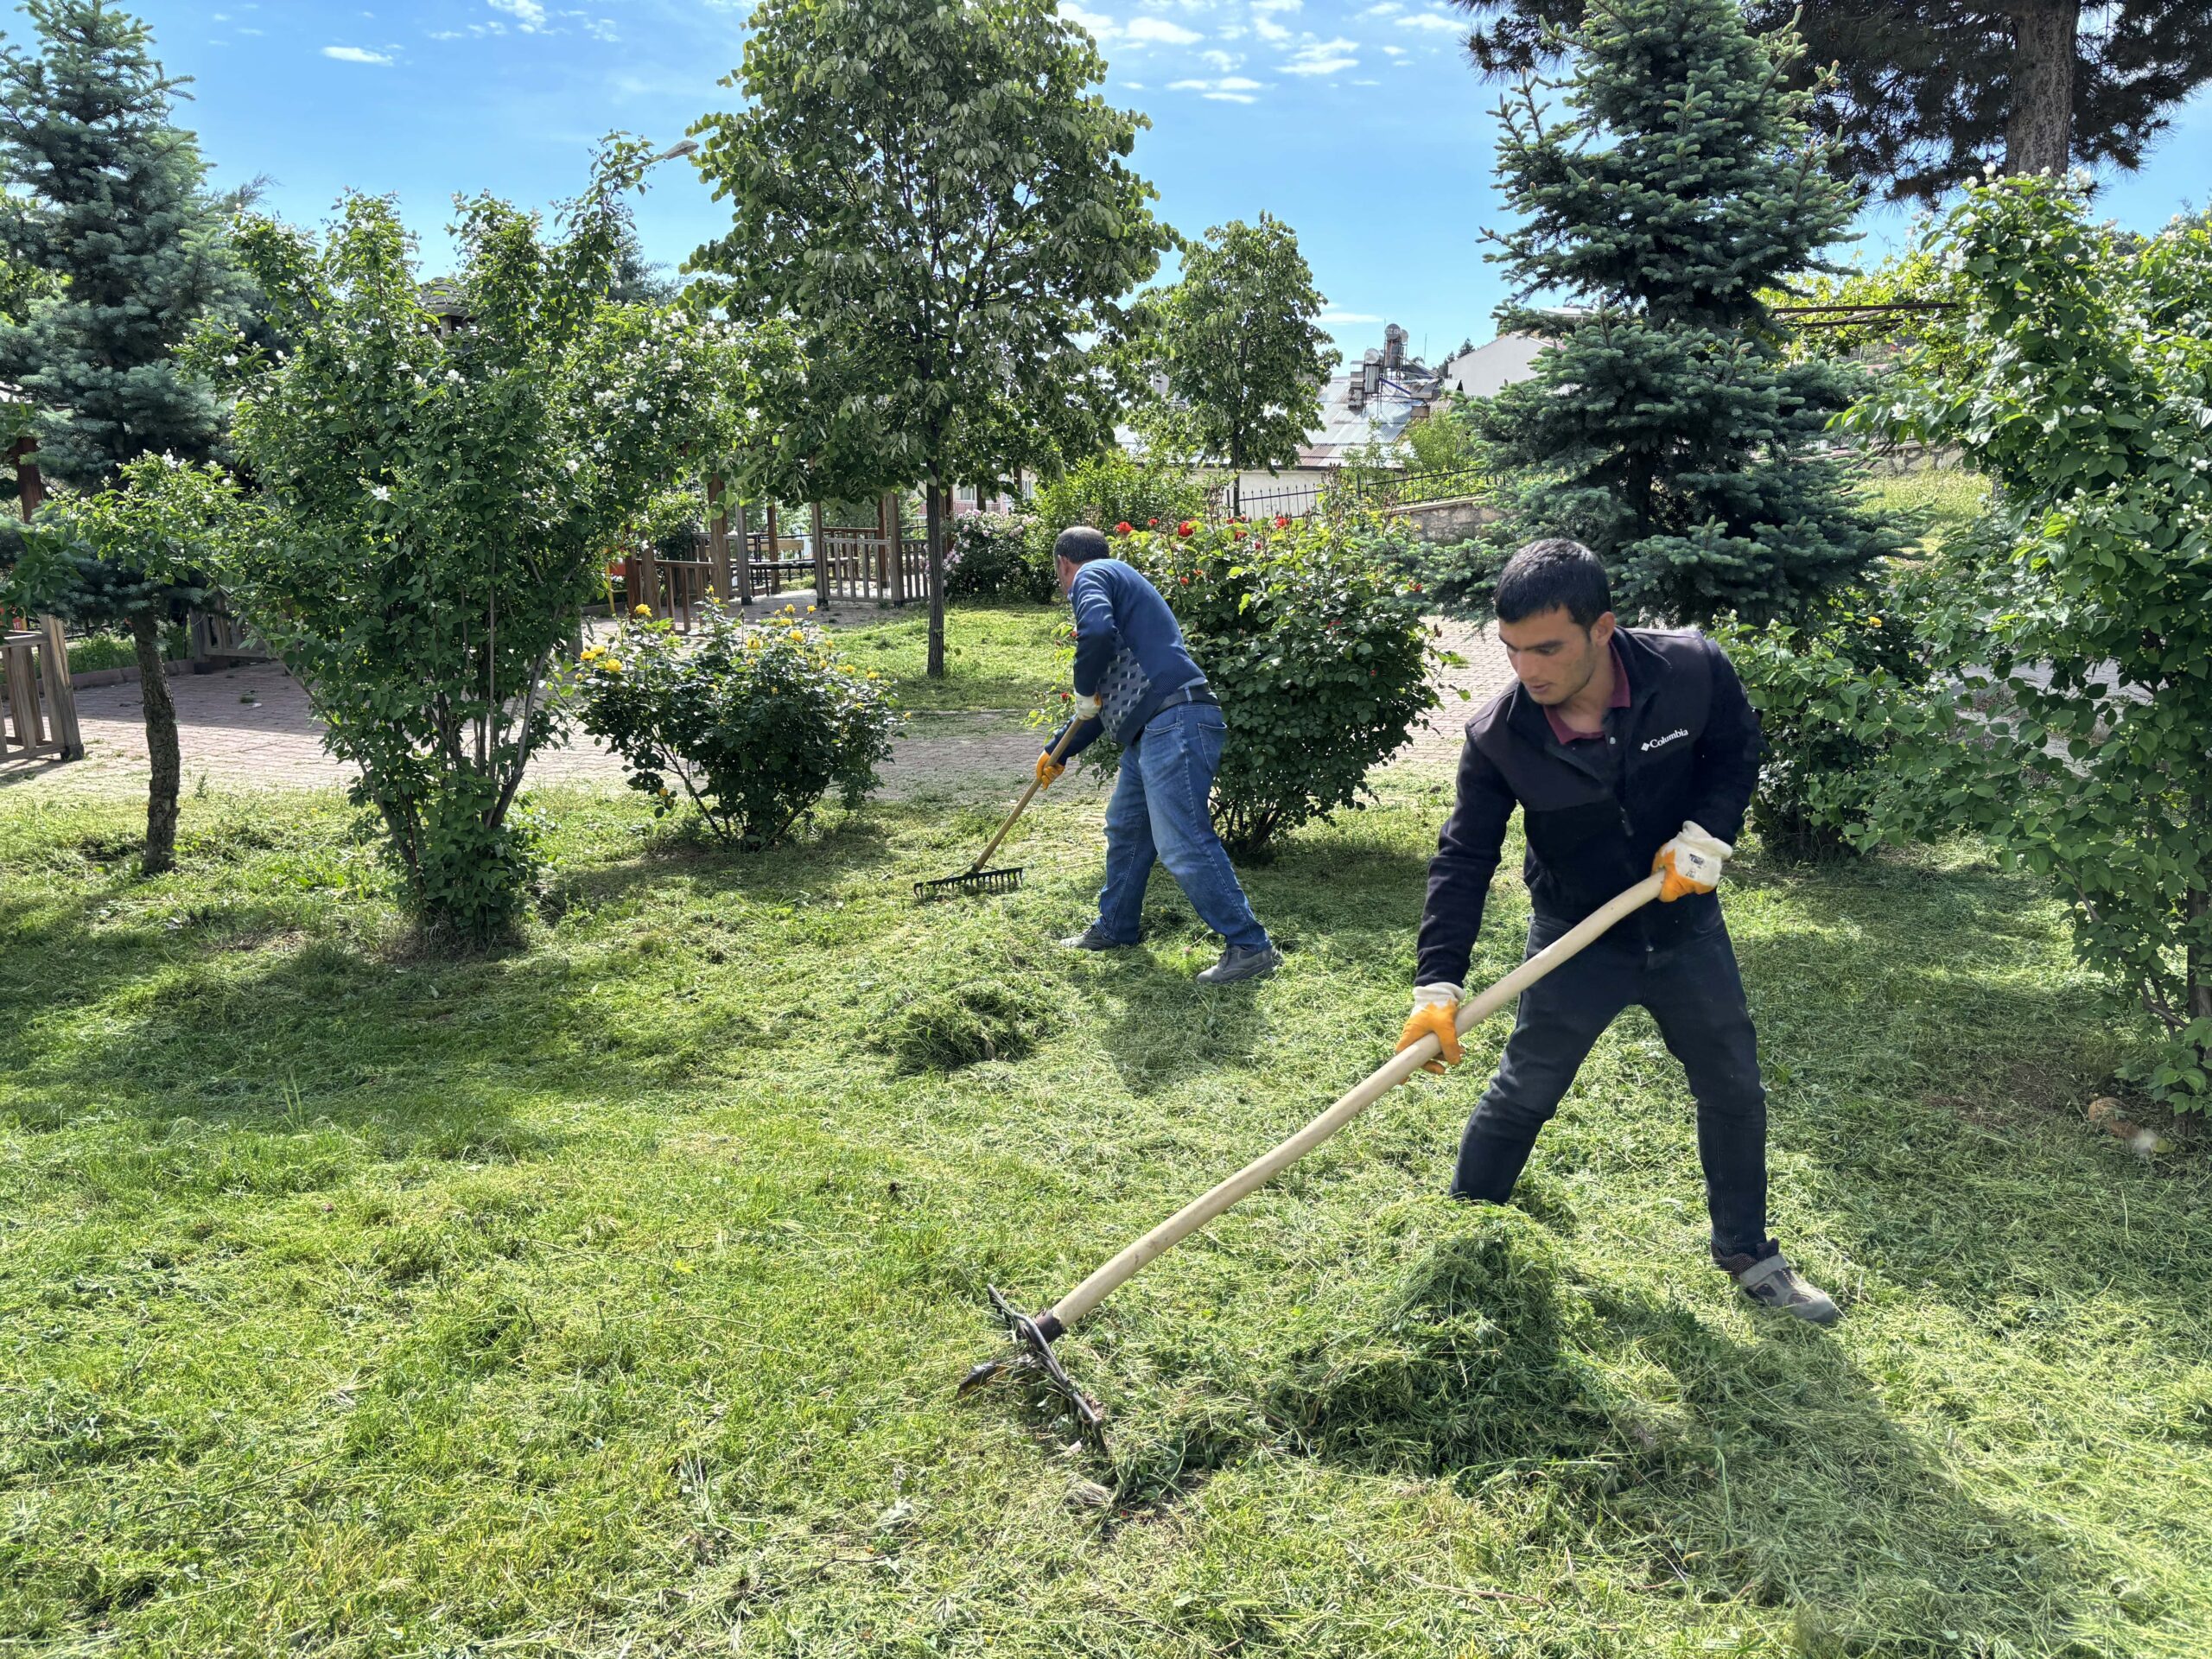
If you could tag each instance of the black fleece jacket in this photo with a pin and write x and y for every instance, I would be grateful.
(1691, 744)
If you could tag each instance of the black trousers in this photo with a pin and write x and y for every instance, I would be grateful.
(1695, 994)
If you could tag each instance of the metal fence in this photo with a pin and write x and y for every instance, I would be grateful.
(1379, 490)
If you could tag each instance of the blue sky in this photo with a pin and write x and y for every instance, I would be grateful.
(1359, 122)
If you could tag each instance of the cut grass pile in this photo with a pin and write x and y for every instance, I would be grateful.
(606, 1296)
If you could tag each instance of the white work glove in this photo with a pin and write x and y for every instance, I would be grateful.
(1691, 862)
(1084, 707)
(1436, 1010)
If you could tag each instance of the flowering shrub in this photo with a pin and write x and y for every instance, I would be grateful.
(755, 721)
(1812, 684)
(1318, 653)
(998, 555)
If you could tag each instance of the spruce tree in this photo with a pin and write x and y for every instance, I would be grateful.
(1661, 427)
(107, 199)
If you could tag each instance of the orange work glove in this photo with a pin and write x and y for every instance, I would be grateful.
(1435, 1009)
(1691, 862)
(1048, 770)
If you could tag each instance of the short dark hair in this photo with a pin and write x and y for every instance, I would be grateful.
(1551, 574)
(1081, 544)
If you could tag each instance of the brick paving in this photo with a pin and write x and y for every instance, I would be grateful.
(250, 727)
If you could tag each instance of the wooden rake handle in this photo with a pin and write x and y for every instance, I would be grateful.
(1200, 1210)
(1021, 805)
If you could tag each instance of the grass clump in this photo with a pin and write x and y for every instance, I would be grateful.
(1460, 1344)
(946, 1028)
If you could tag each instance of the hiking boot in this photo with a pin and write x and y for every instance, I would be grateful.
(1772, 1282)
(1237, 963)
(1091, 939)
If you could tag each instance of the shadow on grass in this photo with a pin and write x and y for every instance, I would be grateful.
(1767, 1471)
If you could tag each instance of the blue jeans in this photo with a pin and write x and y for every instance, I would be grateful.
(1695, 995)
(1160, 811)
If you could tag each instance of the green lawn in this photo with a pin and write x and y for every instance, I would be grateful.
(1950, 497)
(606, 1297)
(997, 656)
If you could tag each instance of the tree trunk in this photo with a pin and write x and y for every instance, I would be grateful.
(161, 744)
(933, 503)
(2040, 134)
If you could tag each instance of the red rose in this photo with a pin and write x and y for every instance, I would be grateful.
(1282, 522)
(1237, 533)
(1152, 523)
(1123, 529)
(1184, 528)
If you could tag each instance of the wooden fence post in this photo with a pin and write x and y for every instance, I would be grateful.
(718, 541)
(744, 556)
(821, 554)
(60, 691)
(894, 544)
(648, 574)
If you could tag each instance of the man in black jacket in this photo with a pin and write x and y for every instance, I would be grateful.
(1628, 750)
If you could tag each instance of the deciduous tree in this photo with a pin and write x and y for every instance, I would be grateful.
(1923, 96)
(936, 198)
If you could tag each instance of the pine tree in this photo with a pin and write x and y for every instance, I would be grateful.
(107, 199)
(1663, 427)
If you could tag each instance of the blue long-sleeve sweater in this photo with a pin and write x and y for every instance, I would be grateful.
(1129, 652)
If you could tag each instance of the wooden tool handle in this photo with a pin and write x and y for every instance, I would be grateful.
(1021, 805)
(1200, 1210)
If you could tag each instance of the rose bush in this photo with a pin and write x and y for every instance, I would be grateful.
(755, 721)
(1318, 653)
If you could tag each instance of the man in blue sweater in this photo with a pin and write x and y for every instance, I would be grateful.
(1136, 683)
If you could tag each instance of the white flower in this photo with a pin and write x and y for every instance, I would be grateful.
(574, 463)
(380, 492)
(453, 375)
(643, 407)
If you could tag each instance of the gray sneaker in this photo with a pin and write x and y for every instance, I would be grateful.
(1236, 964)
(1774, 1283)
(1091, 939)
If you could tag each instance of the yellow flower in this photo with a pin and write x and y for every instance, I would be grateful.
(810, 610)
(796, 634)
(873, 675)
(643, 610)
(612, 666)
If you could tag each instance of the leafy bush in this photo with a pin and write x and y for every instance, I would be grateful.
(1824, 767)
(1115, 488)
(2067, 712)
(1316, 651)
(998, 555)
(756, 721)
(436, 504)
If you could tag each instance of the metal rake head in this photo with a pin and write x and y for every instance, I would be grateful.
(970, 882)
(1037, 1358)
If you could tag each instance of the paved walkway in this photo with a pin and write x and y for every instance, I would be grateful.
(250, 727)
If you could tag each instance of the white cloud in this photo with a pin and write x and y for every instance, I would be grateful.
(1333, 318)
(1223, 62)
(601, 28)
(1228, 89)
(1158, 31)
(1394, 51)
(1386, 9)
(529, 15)
(1261, 7)
(1100, 26)
(1434, 20)
(354, 54)
(1268, 31)
(1322, 58)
